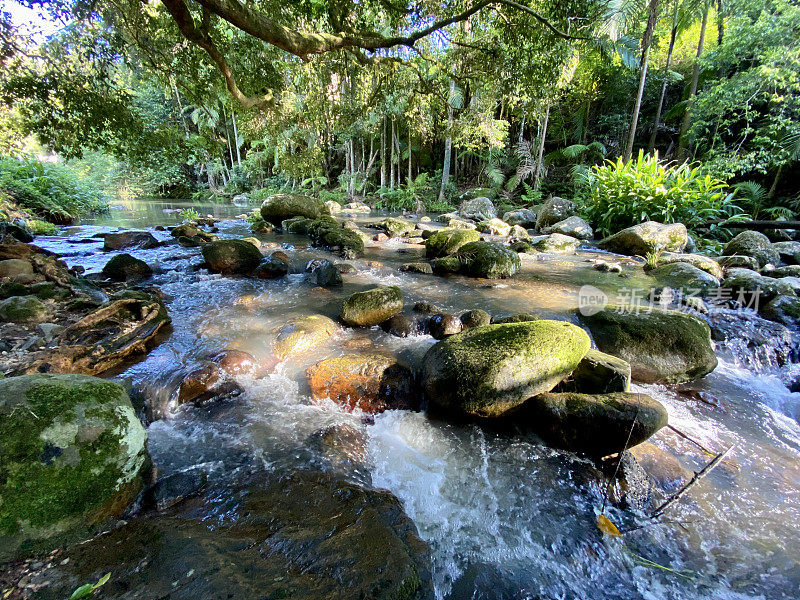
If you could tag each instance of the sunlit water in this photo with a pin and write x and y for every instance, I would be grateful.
(506, 516)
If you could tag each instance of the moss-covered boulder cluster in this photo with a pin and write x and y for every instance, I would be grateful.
(279, 207)
(72, 454)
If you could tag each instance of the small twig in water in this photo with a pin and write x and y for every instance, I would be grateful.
(699, 445)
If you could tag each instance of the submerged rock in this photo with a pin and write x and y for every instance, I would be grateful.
(372, 383)
(754, 244)
(74, 465)
(303, 334)
(487, 371)
(646, 237)
(448, 241)
(486, 259)
(372, 307)
(239, 362)
(477, 209)
(279, 207)
(274, 266)
(572, 226)
(405, 325)
(328, 275)
(593, 424)
(231, 257)
(662, 346)
(124, 267)
(129, 239)
(206, 384)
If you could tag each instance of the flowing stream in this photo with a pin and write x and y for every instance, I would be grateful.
(505, 515)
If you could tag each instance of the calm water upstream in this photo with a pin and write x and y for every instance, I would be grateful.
(506, 516)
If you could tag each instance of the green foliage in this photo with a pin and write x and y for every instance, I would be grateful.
(623, 194)
(48, 190)
(88, 589)
(337, 195)
(189, 214)
(530, 196)
(42, 227)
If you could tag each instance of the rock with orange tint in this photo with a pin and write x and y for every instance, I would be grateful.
(205, 384)
(239, 362)
(372, 383)
(300, 335)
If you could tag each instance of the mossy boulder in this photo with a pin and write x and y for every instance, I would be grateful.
(477, 209)
(446, 265)
(372, 307)
(422, 268)
(704, 263)
(494, 227)
(72, 452)
(738, 262)
(785, 271)
(593, 424)
(231, 257)
(457, 223)
(555, 243)
(686, 277)
(24, 309)
(185, 230)
(598, 373)
(12, 267)
(782, 309)
(395, 227)
(662, 346)
(488, 371)
(124, 267)
(553, 211)
(745, 283)
(279, 207)
(755, 244)
(517, 318)
(327, 232)
(524, 217)
(646, 237)
(788, 251)
(475, 318)
(129, 239)
(572, 226)
(448, 241)
(303, 334)
(300, 225)
(487, 259)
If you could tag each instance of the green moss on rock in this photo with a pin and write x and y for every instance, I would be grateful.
(372, 307)
(71, 453)
(231, 257)
(488, 259)
(328, 232)
(24, 309)
(123, 267)
(487, 371)
(448, 241)
(279, 207)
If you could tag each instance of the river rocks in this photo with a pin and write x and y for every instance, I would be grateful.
(738, 261)
(518, 232)
(555, 243)
(594, 424)
(457, 223)
(71, 456)
(572, 226)
(782, 309)
(124, 267)
(553, 211)
(279, 207)
(328, 275)
(422, 268)
(24, 309)
(303, 334)
(356, 207)
(647, 237)
(371, 383)
(207, 383)
(403, 325)
(333, 207)
(755, 244)
(18, 229)
(239, 362)
(13, 267)
(494, 227)
(522, 216)
(789, 252)
(705, 263)
(327, 232)
(475, 318)
(662, 346)
(274, 266)
(660, 466)
(477, 209)
(785, 271)
(686, 277)
(299, 225)
(185, 230)
(444, 325)
(126, 325)
(746, 285)
(129, 239)
(487, 371)
(395, 227)
(487, 259)
(372, 307)
(231, 257)
(598, 373)
(448, 241)
(517, 318)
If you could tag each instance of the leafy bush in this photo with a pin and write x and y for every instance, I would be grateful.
(337, 195)
(408, 197)
(48, 190)
(189, 214)
(622, 194)
(42, 227)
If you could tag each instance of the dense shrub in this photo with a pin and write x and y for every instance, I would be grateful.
(622, 194)
(50, 191)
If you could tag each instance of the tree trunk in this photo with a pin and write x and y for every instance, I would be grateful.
(391, 159)
(687, 115)
(672, 35)
(410, 176)
(647, 40)
(448, 142)
(720, 21)
(383, 153)
(236, 140)
(540, 156)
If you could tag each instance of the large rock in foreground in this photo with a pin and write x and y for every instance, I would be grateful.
(753, 244)
(372, 383)
(647, 237)
(231, 257)
(71, 454)
(489, 370)
(303, 334)
(372, 307)
(280, 207)
(662, 346)
(594, 424)
(299, 535)
(487, 259)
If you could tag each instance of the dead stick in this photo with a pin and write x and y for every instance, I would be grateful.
(699, 445)
(697, 477)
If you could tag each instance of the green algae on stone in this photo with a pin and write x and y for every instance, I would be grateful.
(328, 232)
(279, 207)
(71, 454)
(231, 256)
(372, 307)
(124, 266)
(662, 346)
(448, 241)
(24, 309)
(489, 370)
(488, 259)
(395, 227)
(598, 373)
